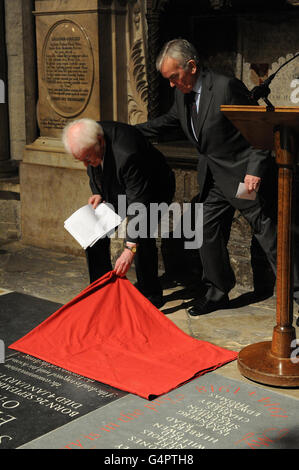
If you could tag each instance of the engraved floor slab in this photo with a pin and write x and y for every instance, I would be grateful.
(211, 412)
(37, 397)
(20, 313)
(45, 407)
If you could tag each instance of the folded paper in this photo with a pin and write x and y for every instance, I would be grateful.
(87, 225)
(243, 193)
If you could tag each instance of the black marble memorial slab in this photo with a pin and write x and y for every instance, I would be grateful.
(35, 396)
(210, 412)
(20, 313)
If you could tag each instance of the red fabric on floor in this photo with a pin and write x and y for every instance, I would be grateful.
(111, 333)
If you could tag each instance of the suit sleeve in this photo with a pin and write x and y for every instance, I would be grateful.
(159, 126)
(139, 195)
(238, 94)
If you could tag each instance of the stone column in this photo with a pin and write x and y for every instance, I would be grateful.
(7, 167)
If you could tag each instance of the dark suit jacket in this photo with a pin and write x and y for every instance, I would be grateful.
(132, 167)
(220, 145)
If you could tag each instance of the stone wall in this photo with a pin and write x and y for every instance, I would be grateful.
(10, 216)
(16, 95)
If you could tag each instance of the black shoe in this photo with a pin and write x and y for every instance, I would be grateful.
(205, 305)
(156, 299)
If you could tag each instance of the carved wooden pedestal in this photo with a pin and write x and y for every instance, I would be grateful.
(271, 362)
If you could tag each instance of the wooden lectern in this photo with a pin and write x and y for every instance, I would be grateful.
(269, 362)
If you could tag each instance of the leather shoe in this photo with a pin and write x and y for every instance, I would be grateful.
(205, 305)
(156, 300)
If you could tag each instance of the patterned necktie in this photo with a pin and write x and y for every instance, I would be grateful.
(194, 113)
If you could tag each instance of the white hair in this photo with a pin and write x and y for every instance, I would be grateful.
(80, 135)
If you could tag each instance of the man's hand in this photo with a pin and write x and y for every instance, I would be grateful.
(252, 183)
(95, 200)
(123, 263)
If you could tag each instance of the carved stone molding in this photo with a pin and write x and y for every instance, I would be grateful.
(137, 76)
(155, 9)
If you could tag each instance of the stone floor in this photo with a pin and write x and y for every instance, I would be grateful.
(59, 277)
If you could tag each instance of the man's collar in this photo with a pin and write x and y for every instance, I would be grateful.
(198, 84)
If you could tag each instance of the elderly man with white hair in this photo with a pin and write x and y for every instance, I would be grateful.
(121, 161)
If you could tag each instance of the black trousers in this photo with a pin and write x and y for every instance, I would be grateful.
(146, 257)
(146, 263)
(218, 212)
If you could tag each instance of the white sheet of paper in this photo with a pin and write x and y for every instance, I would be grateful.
(88, 225)
(242, 193)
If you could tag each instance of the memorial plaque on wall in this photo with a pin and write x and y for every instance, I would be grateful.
(68, 65)
(68, 68)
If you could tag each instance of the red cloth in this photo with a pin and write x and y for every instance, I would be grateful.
(111, 333)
